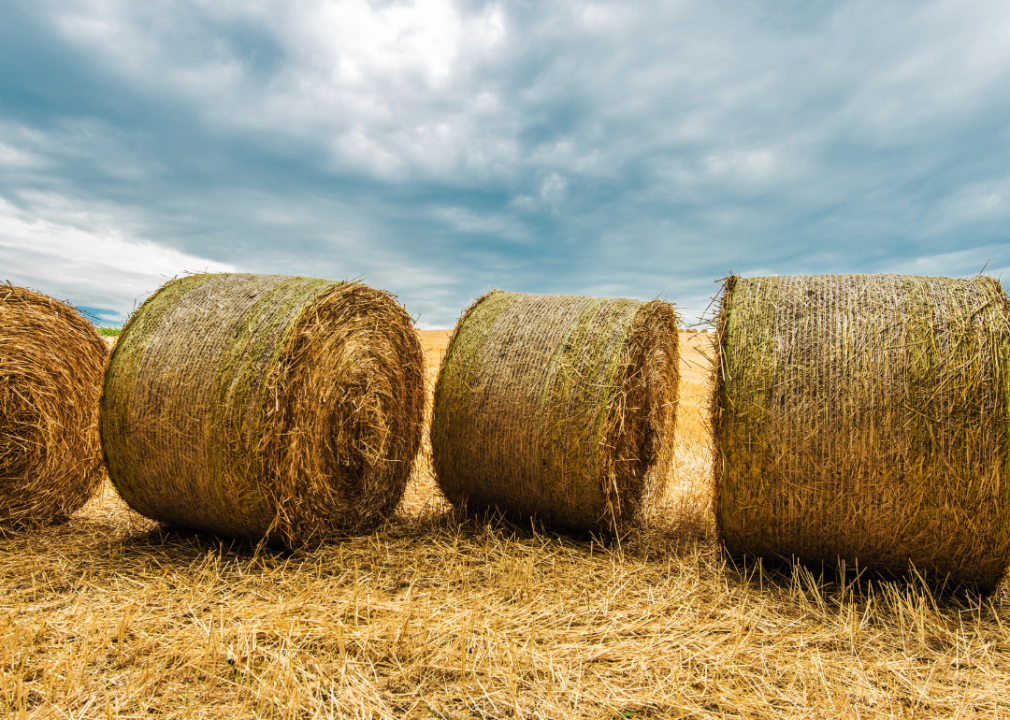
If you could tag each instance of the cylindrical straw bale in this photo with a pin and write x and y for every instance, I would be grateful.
(265, 406)
(863, 419)
(51, 365)
(557, 407)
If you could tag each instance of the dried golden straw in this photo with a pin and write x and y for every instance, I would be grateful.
(864, 419)
(557, 406)
(253, 405)
(51, 364)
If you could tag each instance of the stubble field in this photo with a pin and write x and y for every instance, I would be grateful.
(437, 615)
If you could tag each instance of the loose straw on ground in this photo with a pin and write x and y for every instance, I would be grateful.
(557, 407)
(51, 364)
(863, 419)
(253, 405)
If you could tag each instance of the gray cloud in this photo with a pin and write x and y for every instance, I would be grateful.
(441, 148)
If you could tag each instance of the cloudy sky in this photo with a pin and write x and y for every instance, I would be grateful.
(437, 148)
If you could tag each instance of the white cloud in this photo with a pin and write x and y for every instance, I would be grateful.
(958, 263)
(987, 201)
(552, 189)
(13, 157)
(430, 89)
(565, 141)
(355, 40)
(100, 268)
(497, 225)
(745, 165)
(357, 76)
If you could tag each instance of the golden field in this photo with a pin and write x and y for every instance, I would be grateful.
(435, 615)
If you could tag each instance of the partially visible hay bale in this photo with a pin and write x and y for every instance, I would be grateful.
(255, 405)
(51, 364)
(557, 406)
(864, 419)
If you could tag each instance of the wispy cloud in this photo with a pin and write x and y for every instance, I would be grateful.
(103, 267)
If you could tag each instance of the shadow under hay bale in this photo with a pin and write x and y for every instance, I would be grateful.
(864, 419)
(51, 364)
(265, 405)
(557, 407)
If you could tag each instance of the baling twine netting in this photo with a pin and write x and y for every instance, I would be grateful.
(254, 405)
(864, 419)
(51, 364)
(557, 407)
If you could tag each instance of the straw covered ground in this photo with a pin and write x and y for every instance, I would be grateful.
(439, 616)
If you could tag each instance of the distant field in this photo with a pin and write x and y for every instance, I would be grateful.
(448, 617)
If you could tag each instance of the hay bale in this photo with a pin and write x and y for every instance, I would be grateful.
(51, 364)
(557, 406)
(264, 405)
(863, 418)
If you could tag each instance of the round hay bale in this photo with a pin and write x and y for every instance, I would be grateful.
(558, 407)
(51, 365)
(863, 418)
(265, 406)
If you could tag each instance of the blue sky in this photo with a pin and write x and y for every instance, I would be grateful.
(438, 148)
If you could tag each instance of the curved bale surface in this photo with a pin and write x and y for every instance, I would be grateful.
(265, 405)
(863, 418)
(558, 407)
(51, 365)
